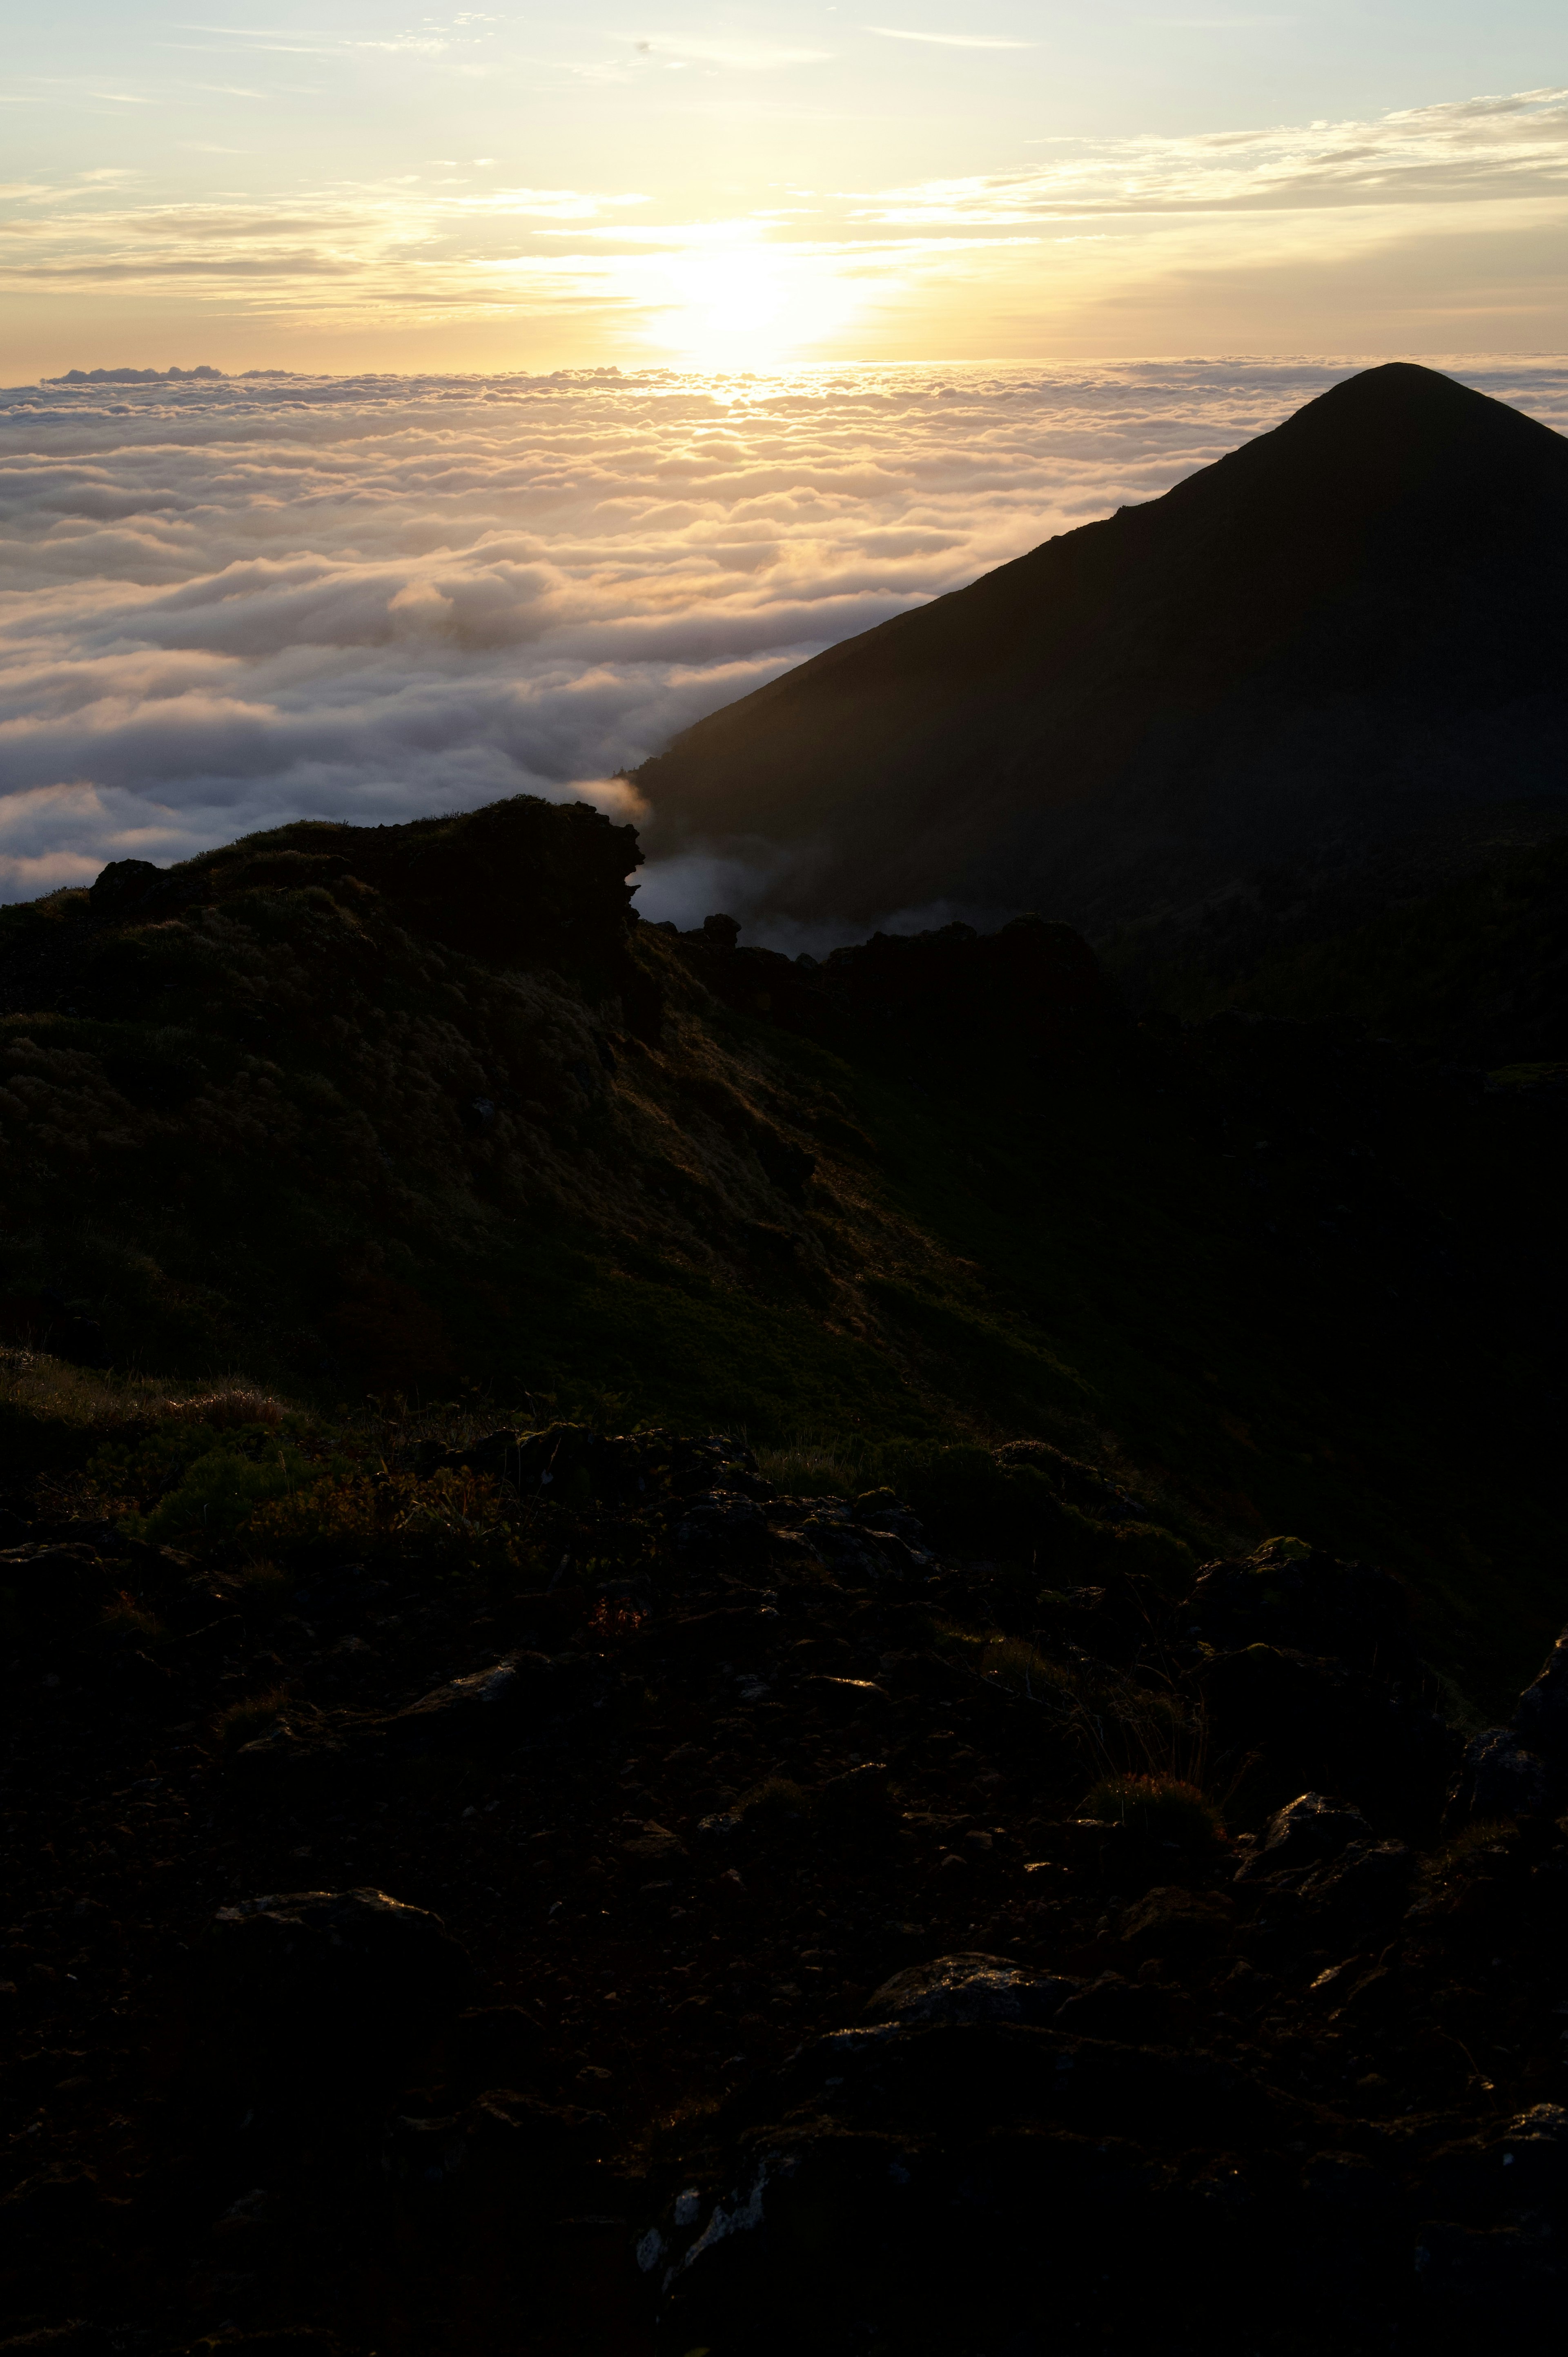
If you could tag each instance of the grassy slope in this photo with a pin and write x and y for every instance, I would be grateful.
(247, 1148)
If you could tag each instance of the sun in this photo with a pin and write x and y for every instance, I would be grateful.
(750, 306)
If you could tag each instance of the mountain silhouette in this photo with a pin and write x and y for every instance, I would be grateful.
(1334, 638)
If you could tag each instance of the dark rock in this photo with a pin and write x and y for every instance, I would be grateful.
(737, 1634)
(74, 2338)
(485, 1707)
(655, 1848)
(1497, 2280)
(880, 1510)
(1500, 1778)
(119, 888)
(842, 1699)
(1176, 1925)
(501, 2141)
(1289, 1596)
(347, 1588)
(858, 1800)
(302, 1743)
(49, 1591)
(724, 1528)
(1521, 2168)
(334, 1980)
(1136, 2013)
(1367, 1882)
(967, 1988)
(1541, 1722)
(493, 2046)
(1349, 2184)
(1305, 1831)
(1298, 1711)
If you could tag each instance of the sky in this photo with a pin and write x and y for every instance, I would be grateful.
(350, 186)
(567, 373)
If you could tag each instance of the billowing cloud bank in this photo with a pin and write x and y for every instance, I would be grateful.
(227, 603)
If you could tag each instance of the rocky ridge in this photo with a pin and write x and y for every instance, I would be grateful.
(741, 1918)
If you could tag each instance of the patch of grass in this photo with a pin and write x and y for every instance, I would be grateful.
(800, 1470)
(458, 1518)
(1156, 1809)
(1022, 1668)
(231, 1409)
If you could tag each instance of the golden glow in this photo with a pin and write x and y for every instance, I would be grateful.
(750, 306)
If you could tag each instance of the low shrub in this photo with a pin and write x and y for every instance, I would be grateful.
(221, 1491)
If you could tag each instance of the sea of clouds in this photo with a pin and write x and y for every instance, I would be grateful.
(229, 602)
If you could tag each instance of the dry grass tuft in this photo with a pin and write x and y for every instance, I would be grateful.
(1013, 1662)
(228, 1410)
(804, 1471)
(1157, 1809)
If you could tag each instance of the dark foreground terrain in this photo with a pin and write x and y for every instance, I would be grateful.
(715, 1920)
(931, 1871)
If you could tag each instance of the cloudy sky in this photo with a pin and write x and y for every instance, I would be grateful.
(349, 185)
(584, 368)
(226, 603)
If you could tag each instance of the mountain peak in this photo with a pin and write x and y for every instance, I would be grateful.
(1342, 631)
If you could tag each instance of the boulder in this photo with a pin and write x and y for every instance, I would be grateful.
(1288, 1593)
(478, 1710)
(1500, 1778)
(965, 1988)
(341, 1981)
(1367, 1883)
(493, 2046)
(1307, 1829)
(1541, 1722)
(1176, 1924)
(498, 2143)
(723, 1529)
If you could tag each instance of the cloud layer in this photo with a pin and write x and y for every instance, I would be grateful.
(228, 603)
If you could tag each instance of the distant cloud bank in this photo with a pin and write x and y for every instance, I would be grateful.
(229, 602)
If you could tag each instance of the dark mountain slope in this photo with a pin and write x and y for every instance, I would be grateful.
(257, 1112)
(1332, 638)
